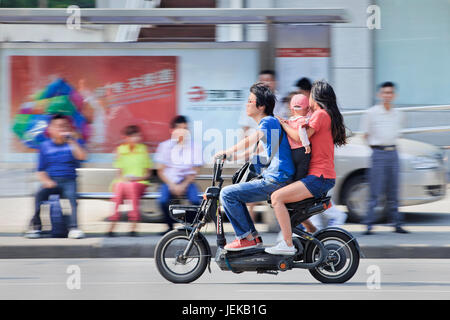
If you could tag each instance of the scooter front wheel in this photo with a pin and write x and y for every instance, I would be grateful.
(342, 261)
(171, 262)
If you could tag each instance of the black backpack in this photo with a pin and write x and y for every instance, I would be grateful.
(59, 225)
(248, 172)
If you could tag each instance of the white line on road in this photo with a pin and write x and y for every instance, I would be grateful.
(84, 283)
(337, 287)
(309, 291)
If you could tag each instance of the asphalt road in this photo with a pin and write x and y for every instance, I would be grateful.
(139, 279)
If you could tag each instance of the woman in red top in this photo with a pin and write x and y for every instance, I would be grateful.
(325, 130)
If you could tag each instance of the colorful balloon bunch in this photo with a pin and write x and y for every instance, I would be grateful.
(30, 124)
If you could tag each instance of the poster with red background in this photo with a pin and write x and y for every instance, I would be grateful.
(117, 90)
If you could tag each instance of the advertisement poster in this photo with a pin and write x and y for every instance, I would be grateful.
(214, 89)
(116, 91)
(147, 88)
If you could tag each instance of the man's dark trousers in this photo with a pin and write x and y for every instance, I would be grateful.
(383, 177)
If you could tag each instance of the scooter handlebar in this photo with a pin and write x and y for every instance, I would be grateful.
(218, 165)
(221, 157)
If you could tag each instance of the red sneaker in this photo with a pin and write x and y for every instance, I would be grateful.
(241, 244)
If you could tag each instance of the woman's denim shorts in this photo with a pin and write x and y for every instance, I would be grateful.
(318, 186)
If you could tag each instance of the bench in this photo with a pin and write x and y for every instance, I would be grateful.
(150, 216)
(148, 195)
(110, 195)
(269, 219)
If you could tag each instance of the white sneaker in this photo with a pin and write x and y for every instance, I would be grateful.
(281, 248)
(33, 234)
(76, 234)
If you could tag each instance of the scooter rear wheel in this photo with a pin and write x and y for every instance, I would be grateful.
(342, 261)
(170, 261)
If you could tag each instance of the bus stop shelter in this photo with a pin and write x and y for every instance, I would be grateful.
(187, 16)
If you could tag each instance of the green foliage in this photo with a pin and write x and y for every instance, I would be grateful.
(66, 3)
(19, 3)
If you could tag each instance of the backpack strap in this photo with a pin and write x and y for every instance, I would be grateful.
(277, 147)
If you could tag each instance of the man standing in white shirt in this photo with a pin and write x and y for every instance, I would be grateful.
(381, 127)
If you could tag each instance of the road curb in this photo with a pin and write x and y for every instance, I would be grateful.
(141, 249)
(406, 252)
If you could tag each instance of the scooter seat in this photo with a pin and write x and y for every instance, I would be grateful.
(306, 202)
(310, 202)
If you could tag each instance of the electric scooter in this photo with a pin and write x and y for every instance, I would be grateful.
(331, 255)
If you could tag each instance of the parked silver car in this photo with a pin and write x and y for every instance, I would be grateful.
(422, 175)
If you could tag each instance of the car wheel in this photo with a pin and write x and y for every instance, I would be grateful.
(355, 197)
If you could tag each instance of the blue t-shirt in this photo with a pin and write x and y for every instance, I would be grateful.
(57, 159)
(281, 168)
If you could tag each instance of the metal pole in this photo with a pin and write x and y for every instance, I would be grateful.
(268, 48)
(43, 3)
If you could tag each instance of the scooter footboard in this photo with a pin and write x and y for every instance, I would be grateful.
(250, 260)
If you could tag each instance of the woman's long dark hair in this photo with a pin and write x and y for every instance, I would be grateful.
(324, 95)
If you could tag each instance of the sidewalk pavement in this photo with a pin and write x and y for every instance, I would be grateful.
(424, 241)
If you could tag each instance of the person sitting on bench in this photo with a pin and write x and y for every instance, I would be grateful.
(133, 161)
(178, 160)
(59, 157)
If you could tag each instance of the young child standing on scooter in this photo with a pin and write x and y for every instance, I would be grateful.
(298, 139)
(297, 136)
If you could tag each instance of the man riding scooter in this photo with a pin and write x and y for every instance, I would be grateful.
(277, 174)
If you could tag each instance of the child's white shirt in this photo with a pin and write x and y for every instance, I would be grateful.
(302, 131)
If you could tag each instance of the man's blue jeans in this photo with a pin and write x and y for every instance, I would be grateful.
(383, 178)
(66, 188)
(164, 200)
(234, 198)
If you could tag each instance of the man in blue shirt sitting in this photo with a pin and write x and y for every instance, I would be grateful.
(275, 174)
(58, 159)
